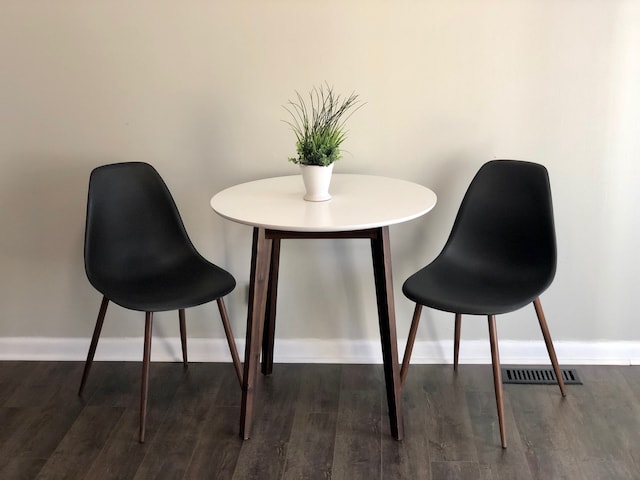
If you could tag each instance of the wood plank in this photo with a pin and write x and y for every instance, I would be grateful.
(45, 409)
(116, 384)
(13, 420)
(264, 454)
(503, 464)
(121, 454)
(608, 468)
(44, 383)
(632, 375)
(13, 375)
(495, 462)
(171, 447)
(409, 458)
(357, 450)
(310, 449)
(319, 389)
(82, 444)
(551, 452)
(41, 432)
(451, 436)
(21, 468)
(216, 452)
(599, 407)
(314, 421)
(455, 470)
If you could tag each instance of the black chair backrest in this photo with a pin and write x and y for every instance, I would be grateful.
(133, 225)
(506, 220)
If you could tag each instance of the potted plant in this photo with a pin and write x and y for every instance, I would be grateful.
(319, 126)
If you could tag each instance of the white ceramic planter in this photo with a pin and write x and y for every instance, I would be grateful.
(316, 182)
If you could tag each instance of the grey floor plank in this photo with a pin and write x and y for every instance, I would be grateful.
(632, 376)
(539, 411)
(409, 458)
(42, 430)
(216, 453)
(504, 464)
(315, 422)
(311, 449)
(455, 470)
(311, 444)
(10, 376)
(116, 384)
(13, 421)
(264, 454)
(451, 435)
(44, 384)
(21, 468)
(30, 436)
(172, 445)
(601, 406)
(82, 443)
(357, 450)
(121, 455)
(43, 406)
(15, 376)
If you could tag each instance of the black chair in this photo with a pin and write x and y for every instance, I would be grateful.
(500, 256)
(137, 254)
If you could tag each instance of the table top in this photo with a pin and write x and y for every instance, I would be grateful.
(358, 202)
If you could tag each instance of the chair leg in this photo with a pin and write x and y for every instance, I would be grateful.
(410, 341)
(148, 327)
(230, 339)
(547, 340)
(497, 377)
(183, 337)
(94, 343)
(456, 341)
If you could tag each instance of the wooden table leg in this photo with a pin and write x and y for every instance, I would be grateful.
(270, 317)
(260, 261)
(381, 254)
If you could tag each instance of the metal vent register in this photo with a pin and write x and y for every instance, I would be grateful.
(539, 376)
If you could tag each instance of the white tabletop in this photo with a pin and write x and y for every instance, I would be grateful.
(358, 202)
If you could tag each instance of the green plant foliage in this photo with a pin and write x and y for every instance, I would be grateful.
(319, 125)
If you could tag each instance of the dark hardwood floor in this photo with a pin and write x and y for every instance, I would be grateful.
(313, 421)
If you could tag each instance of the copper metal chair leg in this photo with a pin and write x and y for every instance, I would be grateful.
(183, 337)
(148, 327)
(547, 340)
(410, 341)
(497, 377)
(456, 341)
(94, 343)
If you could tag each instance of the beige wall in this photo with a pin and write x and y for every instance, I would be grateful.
(196, 88)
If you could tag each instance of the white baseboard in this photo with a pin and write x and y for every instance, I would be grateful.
(321, 351)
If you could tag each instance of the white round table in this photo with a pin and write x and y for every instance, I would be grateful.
(362, 206)
(358, 202)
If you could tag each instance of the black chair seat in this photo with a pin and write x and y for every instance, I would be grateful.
(193, 282)
(454, 287)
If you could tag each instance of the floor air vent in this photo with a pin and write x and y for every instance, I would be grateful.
(539, 376)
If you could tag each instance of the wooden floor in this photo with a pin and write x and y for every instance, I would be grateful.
(313, 421)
